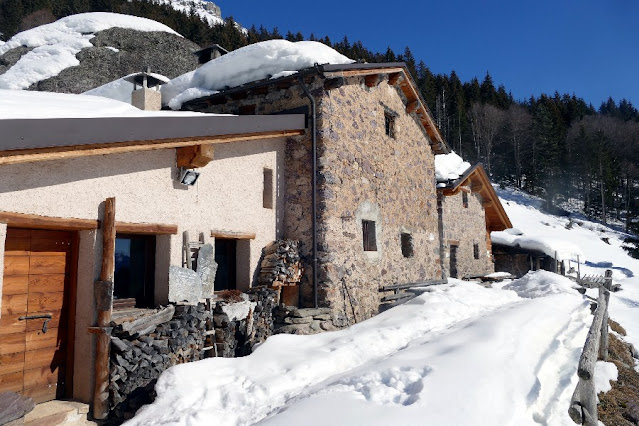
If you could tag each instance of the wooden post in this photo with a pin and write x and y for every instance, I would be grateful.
(555, 271)
(104, 305)
(578, 268)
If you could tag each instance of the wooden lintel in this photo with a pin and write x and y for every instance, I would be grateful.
(145, 228)
(394, 78)
(192, 157)
(453, 242)
(358, 73)
(233, 235)
(67, 152)
(465, 189)
(412, 106)
(22, 220)
(371, 80)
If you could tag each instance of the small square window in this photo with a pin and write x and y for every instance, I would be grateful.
(476, 250)
(389, 124)
(267, 194)
(407, 244)
(465, 200)
(368, 234)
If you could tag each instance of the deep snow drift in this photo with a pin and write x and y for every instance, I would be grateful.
(458, 354)
(56, 44)
(267, 59)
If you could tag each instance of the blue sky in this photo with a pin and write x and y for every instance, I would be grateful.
(590, 48)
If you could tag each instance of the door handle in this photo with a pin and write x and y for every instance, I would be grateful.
(46, 317)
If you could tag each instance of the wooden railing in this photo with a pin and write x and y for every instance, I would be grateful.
(583, 405)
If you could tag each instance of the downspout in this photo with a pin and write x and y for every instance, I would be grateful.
(440, 226)
(313, 183)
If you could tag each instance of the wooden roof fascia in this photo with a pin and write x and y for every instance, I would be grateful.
(67, 152)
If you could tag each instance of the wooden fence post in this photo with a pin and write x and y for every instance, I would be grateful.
(104, 306)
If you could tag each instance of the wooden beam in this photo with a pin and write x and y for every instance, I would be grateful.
(146, 228)
(412, 106)
(194, 156)
(372, 80)
(22, 220)
(104, 304)
(477, 186)
(359, 73)
(395, 77)
(67, 152)
(333, 83)
(233, 235)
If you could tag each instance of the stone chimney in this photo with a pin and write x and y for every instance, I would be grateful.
(209, 53)
(146, 93)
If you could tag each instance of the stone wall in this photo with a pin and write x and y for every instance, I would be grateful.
(363, 174)
(464, 227)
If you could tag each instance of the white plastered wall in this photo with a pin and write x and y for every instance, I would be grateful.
(228, 196)
(3, 236)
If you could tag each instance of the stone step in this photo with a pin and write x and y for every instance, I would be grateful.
(56, 412)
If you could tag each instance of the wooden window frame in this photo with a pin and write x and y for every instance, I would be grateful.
(389, 124)
(369, 237)
(465, 199)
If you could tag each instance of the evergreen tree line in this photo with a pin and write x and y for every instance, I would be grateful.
(554, 146)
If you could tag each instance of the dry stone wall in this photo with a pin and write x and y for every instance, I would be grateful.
(464, 227)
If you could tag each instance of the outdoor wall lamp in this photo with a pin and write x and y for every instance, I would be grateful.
(188, 176)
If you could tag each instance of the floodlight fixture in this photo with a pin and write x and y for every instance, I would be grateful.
(188, 176)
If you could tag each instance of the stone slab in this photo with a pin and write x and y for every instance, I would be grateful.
(206, 269)
(185, 285)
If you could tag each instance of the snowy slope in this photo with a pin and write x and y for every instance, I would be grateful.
(206, 10)
(459, 354)
(55, 45)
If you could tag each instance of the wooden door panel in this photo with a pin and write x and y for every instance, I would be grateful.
(39, 340)
(36, 324)
(49, 247)
(12, 343)
(46, 264)
(10, 324)
(16, 245)
(46, 283)
(11, 382)
(44, 302)
(17, 284)
(14, 304)
(18, 233)
(16, 265)
(37, 377)
(42, 394)
(11, 363)
(47, 357)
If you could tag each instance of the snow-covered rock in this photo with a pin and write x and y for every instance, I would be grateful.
(539, 284)
(251, 63)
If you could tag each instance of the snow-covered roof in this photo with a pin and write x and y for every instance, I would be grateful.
(449, 167)
(16, 104)
(56, 44)
(120, 89)
(267, 59)
(547, 244)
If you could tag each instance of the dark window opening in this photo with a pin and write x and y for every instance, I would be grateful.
(267, 193)
(368, 232)
(226, 259)
(407, 244)
(465, 200)
(134, 276)
(476, 250)
(389, 124)
(453, 261)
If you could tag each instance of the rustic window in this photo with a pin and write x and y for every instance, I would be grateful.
(134, 269)
(368, 234)
(389, 124)
(476, 250)
(267, 194)
(407, 244)
(465, 200)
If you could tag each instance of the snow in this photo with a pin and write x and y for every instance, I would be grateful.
(56, 44)
(238, 311)
(449, 166)
(120, 89)
(604, 373)
(251, 63)
(16, 104)
(550, 245)
(457, 354)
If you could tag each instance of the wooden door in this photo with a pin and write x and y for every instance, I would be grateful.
(453, 261)
(37, 285)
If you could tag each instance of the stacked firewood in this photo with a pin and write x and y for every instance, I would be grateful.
(281, 264)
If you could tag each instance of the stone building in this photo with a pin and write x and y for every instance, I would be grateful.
(377, 222)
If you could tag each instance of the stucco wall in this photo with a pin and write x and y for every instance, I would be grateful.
(466, 226)
(3, 236)
(227, 196)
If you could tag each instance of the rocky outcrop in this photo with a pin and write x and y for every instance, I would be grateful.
(117, 52)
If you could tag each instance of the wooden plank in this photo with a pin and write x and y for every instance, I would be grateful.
(43, 394)
(15, 284)
(36, 324)
(359, 73)
(10, 324)
(45, 357)
(412, 106)
(586, 367)
(146, 228)
(40, 377)
(16, 265)
(192, 157)
(45, 302)
(16, 246)
(372, 80)
(47, 264)
(15, 304)
(395, 78)
(11, 363)
(18, 233)
(46, 283)
(12, 343)
(232, 235)
(11, 382)
(50, 247)
(39, 340)
(67, 152)
(23, 220)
